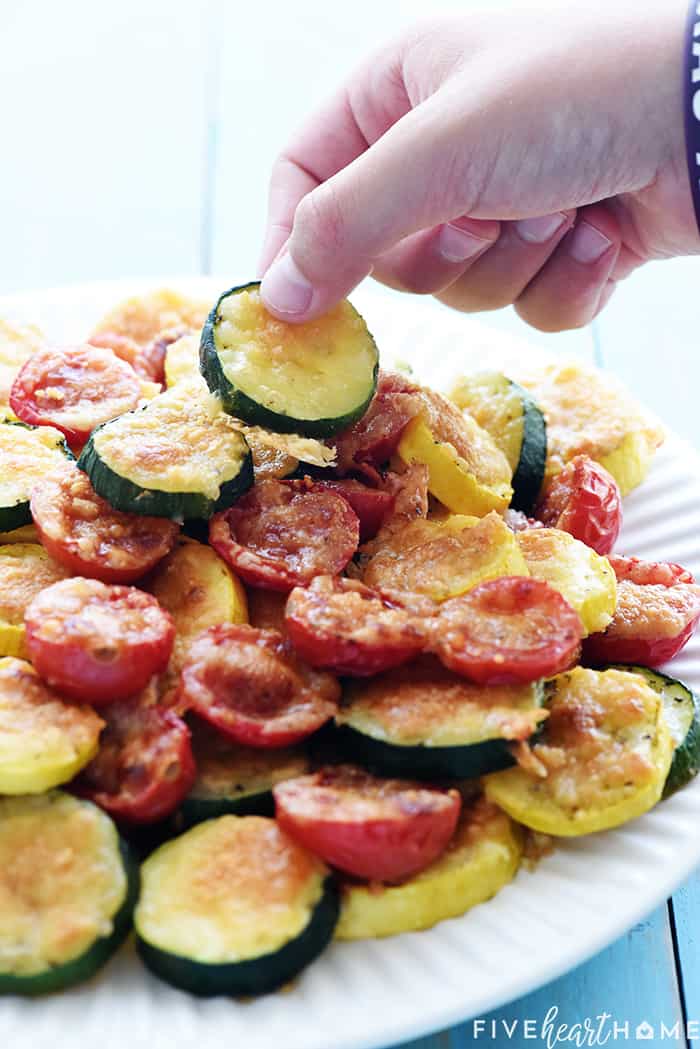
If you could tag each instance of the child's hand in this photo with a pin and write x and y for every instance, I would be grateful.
(533, 158)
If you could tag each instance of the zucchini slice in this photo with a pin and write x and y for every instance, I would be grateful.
(199, 590)
(25, 570)
(421, 721)
(233, 907)
(235, 779)
(44, 739)
(509, 414)
(602, 759)
(443, 557)
(464, 487)
(582, 576)
(315, 378)
(682, 715)
(483, 856)
(67, 891)
(180, 457)
(27, 453)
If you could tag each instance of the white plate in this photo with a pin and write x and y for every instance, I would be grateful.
(363, 995)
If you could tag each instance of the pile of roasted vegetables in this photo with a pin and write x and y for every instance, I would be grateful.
(327, 650)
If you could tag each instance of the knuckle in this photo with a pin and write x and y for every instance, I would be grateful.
(319, 222)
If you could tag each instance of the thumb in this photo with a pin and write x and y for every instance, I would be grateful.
(412, 178)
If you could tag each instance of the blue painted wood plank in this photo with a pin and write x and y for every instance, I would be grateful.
(630, 983)
(685, 907)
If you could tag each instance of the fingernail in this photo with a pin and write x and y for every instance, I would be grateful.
(588, 244)
(539, 230)
(457, 245)
(285, 288)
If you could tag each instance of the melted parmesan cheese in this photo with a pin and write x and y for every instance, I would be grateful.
(316, 370)
(62, 881)
(230, 889)
(26, 455)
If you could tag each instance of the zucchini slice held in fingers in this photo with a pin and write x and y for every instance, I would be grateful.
(683, 719)
(67, 891)
(602, 759)
(314, 378)
(421, 721)
(233, 907)
(27, 453)
(483, 856)
(180, 457)
(509, 414)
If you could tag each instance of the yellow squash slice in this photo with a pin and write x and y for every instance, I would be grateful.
(44, 740)
(582, 576)
(444, 557)
(483, 856)
(17, 344)
(602, 759)
(25, 570)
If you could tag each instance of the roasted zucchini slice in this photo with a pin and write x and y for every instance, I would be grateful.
(683, 719)
(509, 414)
(180, 457)
(67, 891)
(443, 557)
(233, 906)
(235, 779)
(582, 576)
(27, 453)
(25, 570)
(421, 721)
(199, 590)
(314, 378)
(44, 740)
(602, 759)
(483, 856)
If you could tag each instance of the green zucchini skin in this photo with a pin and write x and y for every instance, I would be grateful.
(529, 473)
(686, 757)
(84, 967)
(19, 514)
(240, 405)
(195, 810)
(123, 494)
(255, 975)
(421, 762)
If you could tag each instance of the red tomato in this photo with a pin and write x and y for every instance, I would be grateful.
(380, 829)
(506, 631)
(250, 685)
(84, 533)
(283, 533)
(97, 643)
(652, 621)
(371, 505)
(374, 438)
(123, 345)
(342, 625)
(663, 573)
(151, 360)
(584, 500)
(144, 767)
(74, 388)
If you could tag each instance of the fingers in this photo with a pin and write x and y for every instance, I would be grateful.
(429, 261)
(500, 275)
(575, 283)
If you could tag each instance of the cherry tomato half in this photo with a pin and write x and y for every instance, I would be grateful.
(144, 767)
(86, 535)
(74, 388)
(342, 625)
(250, 685)
(374, 438)
(372, 505)
(380, 829)
(283, 533)
(584, 500)
(95, 642)
(507, 630)
(652, 622)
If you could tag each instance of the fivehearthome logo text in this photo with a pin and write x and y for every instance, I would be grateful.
(602, 1029)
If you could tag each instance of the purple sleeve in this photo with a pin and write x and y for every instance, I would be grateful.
(691, 101)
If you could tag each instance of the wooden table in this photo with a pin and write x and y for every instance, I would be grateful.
(137, 139)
